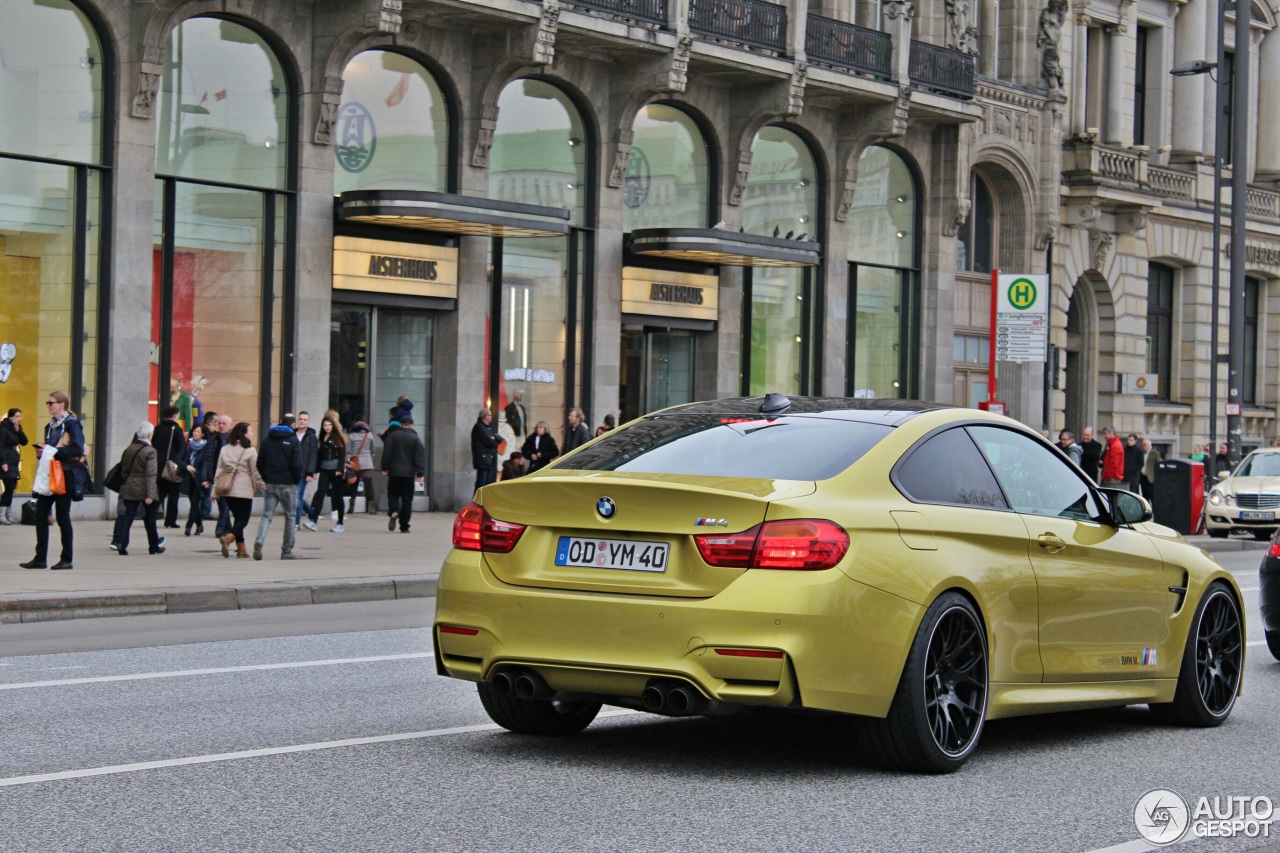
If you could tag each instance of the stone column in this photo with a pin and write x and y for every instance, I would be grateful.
(1268, 153)
(1208, 85)
(1114, 130)
(1079, 73)
(989, 37)
(897, 23)
(1189, 44)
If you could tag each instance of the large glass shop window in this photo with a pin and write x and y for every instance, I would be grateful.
(219, 247)
(392, 130)
(538, 157)
(51, 78)
(781, 200)
(668, 181)
(224, 106)
(882, 277)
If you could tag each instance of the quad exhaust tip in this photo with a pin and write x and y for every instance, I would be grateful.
(520, 683)
(673, 698)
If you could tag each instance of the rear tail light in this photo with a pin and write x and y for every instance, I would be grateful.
(459, 629)
(1275, 550)
(749, 653)
(475, 530)
(799, 544)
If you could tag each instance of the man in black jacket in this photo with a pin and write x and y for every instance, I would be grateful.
(280, 464)
(484, 449)
(310, 464)
(1091, 458)
(404, 460)
(171, 445)
(209, 471)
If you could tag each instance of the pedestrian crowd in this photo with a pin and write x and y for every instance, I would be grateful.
(1130, 463)
(221, 467)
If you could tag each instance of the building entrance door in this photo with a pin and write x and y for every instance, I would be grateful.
(657, 369)
(376, 356)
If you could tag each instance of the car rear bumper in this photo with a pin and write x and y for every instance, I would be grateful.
(842, 643)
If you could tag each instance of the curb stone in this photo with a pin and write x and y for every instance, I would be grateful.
(42, 607)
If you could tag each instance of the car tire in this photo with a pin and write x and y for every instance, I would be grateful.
(1212, 664)
(537, 716)
(1218, 532)
(1273, 643)
(945, 674)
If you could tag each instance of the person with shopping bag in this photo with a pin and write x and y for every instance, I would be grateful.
(59, 456)
(141, 491)
(236, 482)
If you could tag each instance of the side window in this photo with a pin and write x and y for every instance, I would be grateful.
(948, 469)
(1036, 480)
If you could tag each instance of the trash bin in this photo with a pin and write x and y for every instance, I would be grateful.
(1179, 495)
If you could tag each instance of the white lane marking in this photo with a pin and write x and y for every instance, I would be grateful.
(143, 676)
(1250, 588)
(1256, 643)
(115, 769)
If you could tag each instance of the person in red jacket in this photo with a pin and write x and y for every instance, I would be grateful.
(1112, 459)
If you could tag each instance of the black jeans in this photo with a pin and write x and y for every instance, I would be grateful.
(10, 485)
(199, 495)
(44, 505)
(149, 513)
(485, 476)
(239, 509)
(331, 484)
(400, 499)
(169, 495)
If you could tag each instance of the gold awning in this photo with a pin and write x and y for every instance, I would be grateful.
(451, 214)
(725, 248)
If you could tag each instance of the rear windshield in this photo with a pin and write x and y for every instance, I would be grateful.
(784, 448)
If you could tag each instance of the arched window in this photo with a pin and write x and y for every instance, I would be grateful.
(223, 157)
(52, 92)
(392, 130)
(781, 200)
(883, 277)
(668, 181)
(539, 286)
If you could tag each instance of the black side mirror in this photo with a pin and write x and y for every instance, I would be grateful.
(1127, 507)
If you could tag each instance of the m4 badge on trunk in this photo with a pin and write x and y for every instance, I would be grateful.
(711, 522)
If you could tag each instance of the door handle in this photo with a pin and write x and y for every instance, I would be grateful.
(1051, 543)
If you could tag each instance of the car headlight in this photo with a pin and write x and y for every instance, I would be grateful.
(1230, 499)
(1215, 497)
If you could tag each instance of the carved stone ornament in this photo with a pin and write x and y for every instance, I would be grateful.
(1100, 243)
(740, 179)
(144, 97)
(676, 78)
(1083, 214)
(1047, 234)
(895, 9)
(389, 16)
(544, 45)
(959, 215)
(846, 201)
(484, 138)
(1131, 221)
(621, 159)
(1052, 19)
(328, 114)
(795, 94)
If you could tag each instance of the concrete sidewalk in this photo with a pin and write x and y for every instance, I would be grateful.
(364, 563)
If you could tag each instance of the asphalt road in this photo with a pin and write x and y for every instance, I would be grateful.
(325, 728)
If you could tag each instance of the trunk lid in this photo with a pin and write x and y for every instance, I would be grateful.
(649, 509)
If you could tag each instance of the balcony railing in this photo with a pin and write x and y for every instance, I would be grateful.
(1260, 202)
(653, 11)
(1172, 183)
(942, 69)
(752, 22)
(848, 45)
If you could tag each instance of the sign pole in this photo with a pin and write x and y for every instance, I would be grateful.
(991, 358)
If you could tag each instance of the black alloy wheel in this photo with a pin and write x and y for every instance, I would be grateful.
(1212, 663)
(940, 707)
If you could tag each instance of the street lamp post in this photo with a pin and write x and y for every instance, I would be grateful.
(1239, 224)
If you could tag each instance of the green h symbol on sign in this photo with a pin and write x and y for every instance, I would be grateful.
(1022, 294)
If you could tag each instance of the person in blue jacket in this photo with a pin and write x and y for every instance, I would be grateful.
(64, 433)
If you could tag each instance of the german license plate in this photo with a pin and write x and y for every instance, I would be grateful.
(1247, 515)
(626, 554)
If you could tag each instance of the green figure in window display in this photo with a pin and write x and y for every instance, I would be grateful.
(179, 397)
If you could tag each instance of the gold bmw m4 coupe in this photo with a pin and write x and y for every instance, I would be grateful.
(923, 568)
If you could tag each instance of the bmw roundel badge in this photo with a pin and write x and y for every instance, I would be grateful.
(606, 507)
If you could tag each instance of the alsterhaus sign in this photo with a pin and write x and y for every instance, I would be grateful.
(663, 293)
(380, 266)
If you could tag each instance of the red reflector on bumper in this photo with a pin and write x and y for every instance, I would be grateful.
(458, 629)
(748, 653)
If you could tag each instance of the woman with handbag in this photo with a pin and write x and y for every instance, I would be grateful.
(141, 490)
(332, 453)
(198, 494)
(237, 481)
(59, 456)
(11, 438)
(360, 460)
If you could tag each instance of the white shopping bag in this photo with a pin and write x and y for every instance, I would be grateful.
(41, 485)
